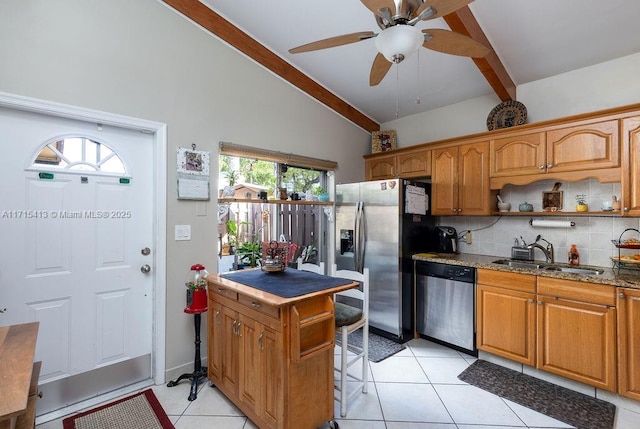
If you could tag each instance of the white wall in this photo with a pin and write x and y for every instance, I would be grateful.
(611, 84)
(140, 58)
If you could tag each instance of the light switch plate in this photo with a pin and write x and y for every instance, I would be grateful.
(183, 232)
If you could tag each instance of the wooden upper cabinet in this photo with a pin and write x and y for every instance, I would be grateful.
(473, 192)
(631, 167)
(414, 164)
(460, 180)
(380, 168)
(583, 147)
(411, 164)
(518, 155)
(444, 182)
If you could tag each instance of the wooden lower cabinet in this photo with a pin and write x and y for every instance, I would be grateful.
(564, 327)
(506, 313)
(275, 363)
(576, 331)
(628, 306)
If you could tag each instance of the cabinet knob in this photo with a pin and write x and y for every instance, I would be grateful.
(222, 291)
(626, 209)
(539, 302)
(549, 165)
(621, 295)
(541, 167)
(256, 304)
(530, 300)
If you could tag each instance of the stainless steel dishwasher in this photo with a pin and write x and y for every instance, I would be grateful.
(445, 305)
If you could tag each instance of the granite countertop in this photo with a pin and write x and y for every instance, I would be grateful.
(614, 277)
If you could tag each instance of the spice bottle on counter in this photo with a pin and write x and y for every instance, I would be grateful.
(574, 255)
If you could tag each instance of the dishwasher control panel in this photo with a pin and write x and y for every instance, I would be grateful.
(446, 271)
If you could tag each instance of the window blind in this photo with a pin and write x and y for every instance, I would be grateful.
(233, 149)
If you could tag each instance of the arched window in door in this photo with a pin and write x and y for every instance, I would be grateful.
(79, 154)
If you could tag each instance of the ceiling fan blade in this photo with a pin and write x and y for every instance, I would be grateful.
(440, 7)
(379, 69)
(453, 43)
(375, 6)
(331, 42)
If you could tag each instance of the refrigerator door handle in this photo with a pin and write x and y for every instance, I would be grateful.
(356, 238)
(361, 237)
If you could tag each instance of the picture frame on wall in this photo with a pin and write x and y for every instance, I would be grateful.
(382, 141)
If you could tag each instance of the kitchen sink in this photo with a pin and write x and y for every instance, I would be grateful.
(519, 264)
(575, 270)
(549, 267)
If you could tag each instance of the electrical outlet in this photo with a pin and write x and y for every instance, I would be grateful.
(468, 237)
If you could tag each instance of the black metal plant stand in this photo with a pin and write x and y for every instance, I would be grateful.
(199, 371)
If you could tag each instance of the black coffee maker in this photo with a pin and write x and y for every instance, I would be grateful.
(446, 239)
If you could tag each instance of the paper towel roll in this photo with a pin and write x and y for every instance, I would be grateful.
(552, 223)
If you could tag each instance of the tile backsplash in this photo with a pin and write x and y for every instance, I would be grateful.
(493, 235)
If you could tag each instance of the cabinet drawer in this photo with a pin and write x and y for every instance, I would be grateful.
(260, 306)
(513, 281)
(577, 291)
(222, 291)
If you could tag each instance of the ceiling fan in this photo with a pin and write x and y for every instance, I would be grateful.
(399, 37)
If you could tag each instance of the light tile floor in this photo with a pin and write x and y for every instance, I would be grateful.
(417, 388)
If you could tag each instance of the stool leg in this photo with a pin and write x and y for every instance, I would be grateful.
(343, 373)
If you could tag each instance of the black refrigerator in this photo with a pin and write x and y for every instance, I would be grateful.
(380, 225)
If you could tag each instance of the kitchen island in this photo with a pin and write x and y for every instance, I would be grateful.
(271, 344)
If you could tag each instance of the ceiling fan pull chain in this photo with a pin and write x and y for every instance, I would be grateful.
(397, 95)
(418, 101)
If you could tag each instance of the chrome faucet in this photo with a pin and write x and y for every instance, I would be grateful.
(548, 251)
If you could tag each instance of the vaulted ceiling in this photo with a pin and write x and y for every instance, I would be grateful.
(528, 41)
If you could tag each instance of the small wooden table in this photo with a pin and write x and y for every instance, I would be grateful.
(17, 348)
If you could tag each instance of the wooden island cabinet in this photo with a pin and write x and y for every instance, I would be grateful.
(273, 357)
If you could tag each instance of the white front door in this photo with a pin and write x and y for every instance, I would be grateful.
(73, 244)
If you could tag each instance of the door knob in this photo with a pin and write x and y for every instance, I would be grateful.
(145, 268)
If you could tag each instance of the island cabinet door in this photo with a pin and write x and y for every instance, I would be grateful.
(214, 359)
(259, 379)
(230, 350)
(578, 341)
(628, 307)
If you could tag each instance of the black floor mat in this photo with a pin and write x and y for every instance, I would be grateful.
(380, 347)
(574, 408)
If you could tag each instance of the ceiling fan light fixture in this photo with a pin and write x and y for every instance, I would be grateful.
(399, 42)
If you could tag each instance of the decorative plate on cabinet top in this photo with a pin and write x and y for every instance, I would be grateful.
(507, 114)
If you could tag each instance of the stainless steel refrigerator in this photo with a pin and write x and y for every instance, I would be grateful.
(379, 225)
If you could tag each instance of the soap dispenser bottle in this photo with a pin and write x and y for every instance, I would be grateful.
(574, 255)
